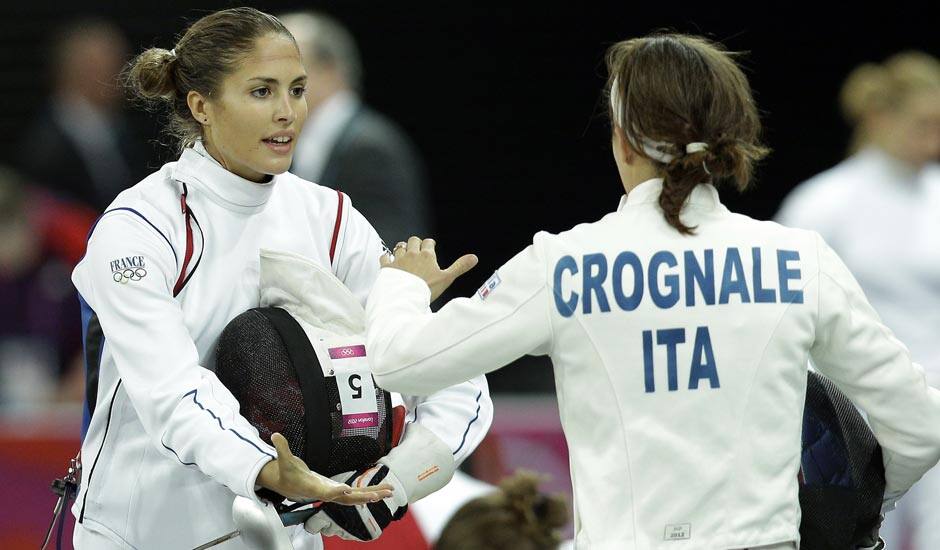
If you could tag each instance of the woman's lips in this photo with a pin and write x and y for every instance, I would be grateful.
(281, 148)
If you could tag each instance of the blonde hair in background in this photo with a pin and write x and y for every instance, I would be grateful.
(875, 88)
(515, 517)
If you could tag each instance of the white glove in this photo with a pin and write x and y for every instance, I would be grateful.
(420, 465)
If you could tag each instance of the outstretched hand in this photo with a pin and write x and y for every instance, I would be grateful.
(290, 477)
(418, 257)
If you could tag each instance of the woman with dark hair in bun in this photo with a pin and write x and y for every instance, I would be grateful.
(173, 260)
(679, 331)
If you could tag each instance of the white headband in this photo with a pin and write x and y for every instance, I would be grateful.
(656, 150)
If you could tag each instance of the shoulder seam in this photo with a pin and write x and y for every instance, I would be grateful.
(134, 214)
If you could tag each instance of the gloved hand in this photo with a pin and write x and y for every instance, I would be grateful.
(362, 522)
(420, 465)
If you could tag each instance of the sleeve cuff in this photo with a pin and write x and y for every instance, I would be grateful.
(397, 281)
(252, 479)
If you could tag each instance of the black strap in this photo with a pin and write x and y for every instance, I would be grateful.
(312, 386)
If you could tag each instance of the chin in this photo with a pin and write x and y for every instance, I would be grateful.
(277, 166)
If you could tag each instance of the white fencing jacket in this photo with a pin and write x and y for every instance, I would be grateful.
(680, 365)
(865, 207)
(169, 264)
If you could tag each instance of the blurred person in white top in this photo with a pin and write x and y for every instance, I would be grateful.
(679, 331)
(880, 210)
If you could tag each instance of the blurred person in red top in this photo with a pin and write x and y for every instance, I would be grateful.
(80, 146)
(41, 239)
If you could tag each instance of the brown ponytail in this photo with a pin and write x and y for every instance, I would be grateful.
(676, 90)
(516, 517)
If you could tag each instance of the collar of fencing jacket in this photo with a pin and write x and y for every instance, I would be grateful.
(704, 195)
(197, 168)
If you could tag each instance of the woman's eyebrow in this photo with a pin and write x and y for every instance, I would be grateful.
(270, 80)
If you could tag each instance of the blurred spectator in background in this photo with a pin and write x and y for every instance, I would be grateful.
(517, 516)
(41, 239)
(78, 145)
(348, 146)
(880, 210)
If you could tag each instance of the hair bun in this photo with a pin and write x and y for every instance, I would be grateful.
(542, 515)
(151, 75)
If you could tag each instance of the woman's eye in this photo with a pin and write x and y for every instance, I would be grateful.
(261, 92)
(299, 90)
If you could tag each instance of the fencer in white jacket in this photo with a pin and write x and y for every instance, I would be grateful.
(680, 366)
(678, 330)
(169, 264)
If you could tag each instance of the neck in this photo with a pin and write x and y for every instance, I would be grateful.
(897, 154)
(634, 174)
(249, 175)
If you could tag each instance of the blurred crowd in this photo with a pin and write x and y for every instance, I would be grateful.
(879, 208)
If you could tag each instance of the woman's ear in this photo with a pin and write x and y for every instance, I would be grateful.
(622, 146)
(198, 106)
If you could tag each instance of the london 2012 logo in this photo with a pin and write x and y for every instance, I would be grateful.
(131, 268)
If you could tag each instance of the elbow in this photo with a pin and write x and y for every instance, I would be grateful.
(935, 446)
(385, 381)
(486, 402)
(402, 383)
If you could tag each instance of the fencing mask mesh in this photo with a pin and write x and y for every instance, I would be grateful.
(842, 478)
(267, 361)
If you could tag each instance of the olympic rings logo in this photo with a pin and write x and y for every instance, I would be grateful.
(129, 274)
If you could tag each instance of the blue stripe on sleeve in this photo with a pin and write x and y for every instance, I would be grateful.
(472, 420)
(177, 455)
(217, 419)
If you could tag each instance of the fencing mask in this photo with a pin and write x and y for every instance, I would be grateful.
(842, 477)
(297, 365)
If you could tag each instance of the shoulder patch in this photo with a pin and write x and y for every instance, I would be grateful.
(489, 286)
(128, 268)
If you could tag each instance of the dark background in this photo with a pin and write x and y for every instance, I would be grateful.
(502, 98)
